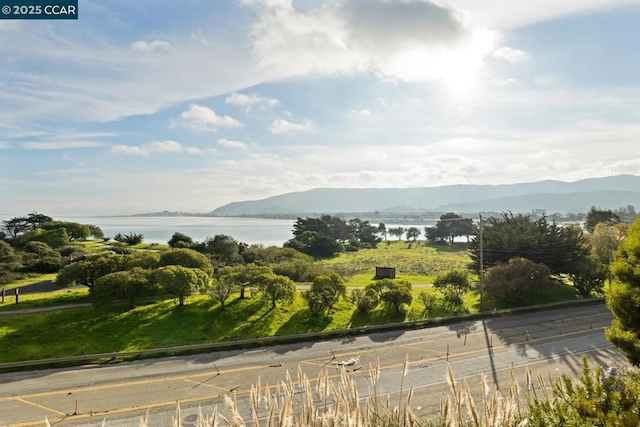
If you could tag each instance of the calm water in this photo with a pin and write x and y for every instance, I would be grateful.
(160, 229)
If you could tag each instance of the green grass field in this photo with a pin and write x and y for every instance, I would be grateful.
(201, 320)
(416, 262)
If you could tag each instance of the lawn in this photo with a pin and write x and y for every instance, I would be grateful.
(417, 262)
(201, 320)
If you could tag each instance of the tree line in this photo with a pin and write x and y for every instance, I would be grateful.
(36, 243)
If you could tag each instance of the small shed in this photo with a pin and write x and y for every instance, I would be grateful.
(385, 273)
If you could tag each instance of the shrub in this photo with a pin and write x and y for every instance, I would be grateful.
(324, 293)
(72, 250)
(516, 281)
(130, 239)
(45, 265)
(365, 300)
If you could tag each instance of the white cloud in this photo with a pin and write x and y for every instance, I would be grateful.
(201, 118)
(409, 40)
(359, 114)
(4, 145)
(510, 14)
(511, 55)
(60, 145)
(143, 46)
(154, 147)
(249, 101)
(284, 126)
(231, 143)
(505, 82)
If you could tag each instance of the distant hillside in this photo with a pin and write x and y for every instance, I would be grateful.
(555, 196)
(563, 203)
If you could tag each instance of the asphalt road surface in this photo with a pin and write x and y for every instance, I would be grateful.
(552, 341)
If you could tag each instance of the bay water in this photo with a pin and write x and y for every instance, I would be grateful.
(159, 229)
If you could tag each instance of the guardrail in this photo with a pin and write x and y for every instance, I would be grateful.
(309, 336)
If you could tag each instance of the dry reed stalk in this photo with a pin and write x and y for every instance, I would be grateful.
(177, 421)
(471, 407)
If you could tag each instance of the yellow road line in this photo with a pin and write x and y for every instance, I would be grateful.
(204, 384)
(40, 406)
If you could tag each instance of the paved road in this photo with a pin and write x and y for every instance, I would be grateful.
(550, 341)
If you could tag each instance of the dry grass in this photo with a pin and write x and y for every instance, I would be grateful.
(321, 402)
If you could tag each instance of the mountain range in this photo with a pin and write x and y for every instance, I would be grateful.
(554, 196)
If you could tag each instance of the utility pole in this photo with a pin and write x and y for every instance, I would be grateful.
(481, 265)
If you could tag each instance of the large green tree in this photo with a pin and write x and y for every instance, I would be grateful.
(75, 231)
(224, 249)
(129, 286)
(324, 293)
(181, 281)
(276, 289)
(624, 297)
(89, 270)
(597, 215)
(186, 258)
(242, 276)
(180, 240)
(561, 248)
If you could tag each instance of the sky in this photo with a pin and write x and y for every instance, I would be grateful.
(150, 105)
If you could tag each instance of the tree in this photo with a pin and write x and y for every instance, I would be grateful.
(316, 244)
(454, 284)
(324, 293)
(221, 290)
(96, 231)
(413, 233)
(181, 281)
(516, 280)
(142, 259)
(40, 249)
(179, 240)
(243, 276)
(15, 226)
(224, 249)
(396, 293)
(56, 238)
(276, 288)
(449, 227)
(130, 239)
(363, 233)
(365, 300)
(597, 215)
(128, 286)
(624, 297)
(588, 276)
(259, 254)
(6, 252)
(382, 230)
(74, 230)
(89, 270)
(605, 239)
(397, 231)
(37, 220)
(186, 258)
(514, 236)
(38, 257)
(428, 300)
(436, 234)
